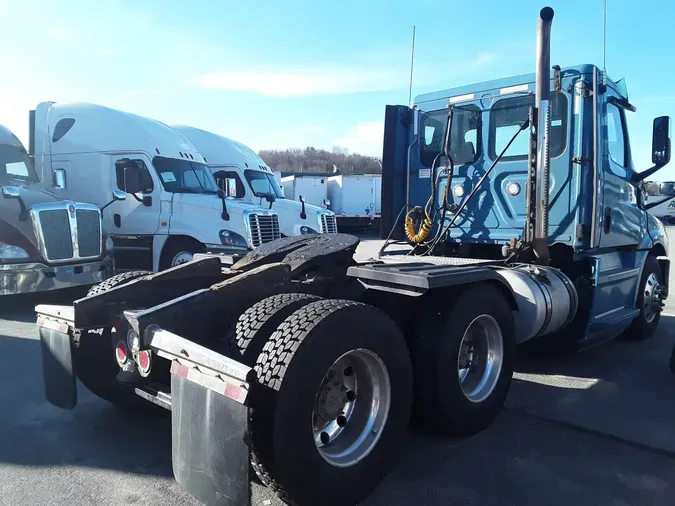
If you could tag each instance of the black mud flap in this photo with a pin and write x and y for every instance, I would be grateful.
(209, 430)
(57, 363)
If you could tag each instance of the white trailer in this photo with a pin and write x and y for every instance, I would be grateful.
(356, 199)
(174, 209)
(313, 189)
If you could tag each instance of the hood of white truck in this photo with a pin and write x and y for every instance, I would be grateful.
(200, 216)
(290, 221)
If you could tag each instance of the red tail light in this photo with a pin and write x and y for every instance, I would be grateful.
(121, 353)
(144, 361)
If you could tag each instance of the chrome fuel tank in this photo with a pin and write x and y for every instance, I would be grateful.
(547, 300)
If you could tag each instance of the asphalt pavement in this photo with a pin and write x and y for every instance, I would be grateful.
(592, 429)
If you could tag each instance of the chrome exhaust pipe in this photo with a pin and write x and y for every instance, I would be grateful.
(543, 106)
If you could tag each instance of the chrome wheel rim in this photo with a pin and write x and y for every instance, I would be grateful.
(652, 299)
(182, 258)
(480, 358)
(351, 408)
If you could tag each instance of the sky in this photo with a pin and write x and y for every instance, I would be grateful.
(297, 73)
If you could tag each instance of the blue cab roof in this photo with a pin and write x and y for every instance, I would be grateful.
(505, 82)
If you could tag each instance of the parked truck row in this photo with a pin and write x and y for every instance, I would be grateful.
(157, 200)
(525, 221)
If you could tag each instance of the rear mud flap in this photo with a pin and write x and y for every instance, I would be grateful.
(57, 364)
(209, 431)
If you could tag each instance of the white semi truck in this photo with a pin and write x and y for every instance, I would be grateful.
(46, 243)
(247, 178)
(174, 209)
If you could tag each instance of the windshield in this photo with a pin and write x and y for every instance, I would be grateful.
(263, 183)
(15, 165)
(183, 176)
(465, 135)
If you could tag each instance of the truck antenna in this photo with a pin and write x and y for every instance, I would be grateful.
(412, 61)
(604, 46)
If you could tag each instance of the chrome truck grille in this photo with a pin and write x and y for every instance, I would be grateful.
(263, 228)
(328, 224)
(67, 231)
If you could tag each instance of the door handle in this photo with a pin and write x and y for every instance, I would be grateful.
(607, 222)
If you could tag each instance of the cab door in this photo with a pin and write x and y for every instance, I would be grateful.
(623, 222)
(139, 213)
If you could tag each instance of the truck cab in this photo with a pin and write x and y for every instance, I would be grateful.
(46, 243)
(174, 209)
(248, 178)
(596, 213)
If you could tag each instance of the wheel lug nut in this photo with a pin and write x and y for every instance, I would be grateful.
(325, 438)
(351, 395)
(341, 421)
(348, 371)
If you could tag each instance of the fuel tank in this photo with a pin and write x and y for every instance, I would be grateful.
(547, 300)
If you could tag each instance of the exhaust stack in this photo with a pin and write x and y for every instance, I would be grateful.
(543, 108)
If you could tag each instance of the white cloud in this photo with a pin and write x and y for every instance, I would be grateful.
(365, 138)
(302, 82)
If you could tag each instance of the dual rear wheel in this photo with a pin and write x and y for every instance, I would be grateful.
(339, 383)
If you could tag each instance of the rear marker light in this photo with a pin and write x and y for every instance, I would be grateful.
(121, 353)
(143, 359)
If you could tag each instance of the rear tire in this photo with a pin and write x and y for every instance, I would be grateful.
(247, 338)
(447, 396)
(94, 358)
(644, 326)
(297, 366)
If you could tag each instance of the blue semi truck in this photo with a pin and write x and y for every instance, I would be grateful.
(520, 217)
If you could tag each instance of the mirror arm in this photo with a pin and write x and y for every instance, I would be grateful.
(303, 214)
(23, 213)
(225, 215)
(641, 176)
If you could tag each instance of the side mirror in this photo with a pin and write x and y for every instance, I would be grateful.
(325, 203)
(118, 195)
(231, 187)
(270, 198)
(132, 180)
(661, 141)
(10, 192)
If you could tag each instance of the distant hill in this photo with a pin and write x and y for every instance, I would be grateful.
(313, 160)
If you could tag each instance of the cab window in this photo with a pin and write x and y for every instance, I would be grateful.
(221, 174)
(616, 139)
(508, 114)
(465, 135)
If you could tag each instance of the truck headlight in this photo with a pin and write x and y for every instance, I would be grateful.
(109, 245)
(229, 238)
(9, 252)
(304, 230)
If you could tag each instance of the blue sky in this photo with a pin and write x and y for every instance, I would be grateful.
(276, 74)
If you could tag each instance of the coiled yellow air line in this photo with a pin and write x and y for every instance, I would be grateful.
(428, 223)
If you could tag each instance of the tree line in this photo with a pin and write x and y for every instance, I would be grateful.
(337, 161)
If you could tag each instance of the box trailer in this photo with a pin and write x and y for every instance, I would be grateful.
(356, 199)
(312, 189)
